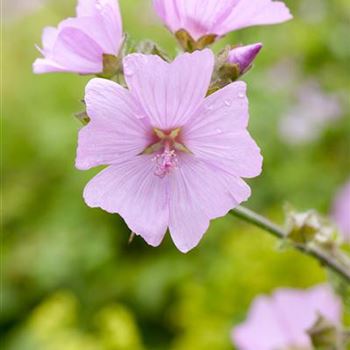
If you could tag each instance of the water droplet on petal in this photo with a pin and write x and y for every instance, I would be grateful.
(228, 103)
(241, 95)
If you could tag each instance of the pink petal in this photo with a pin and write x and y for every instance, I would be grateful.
(131, 189)
(327, 303)
(112, 21)
(77, 52)
(49, 37)
(341, 210)
(169, 93)
(218, 133)
(86, 8)
(43, 65)
(114, 133)
(200, 192)
(254, 12)
(79, 43)
(99, 29)
(262, 330)
(281, 321)
(196, 16)
(298, 314)
(203, 17)
(101, 20)
(300, 310)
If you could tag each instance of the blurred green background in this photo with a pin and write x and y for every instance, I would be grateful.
(70, 279)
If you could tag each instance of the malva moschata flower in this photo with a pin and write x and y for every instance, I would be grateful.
(175, 158)
(282, 320)
(216, 18)
(82, 44)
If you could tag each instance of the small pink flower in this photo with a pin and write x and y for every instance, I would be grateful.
(175, 157)
(78, 44)
(219, 17)
(243, 56)
(282, 320)
(341, 211)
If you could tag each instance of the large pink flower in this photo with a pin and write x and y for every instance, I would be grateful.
(341, 211)
(219, 17)
(282, 320)
(175, 157)
(78, 44)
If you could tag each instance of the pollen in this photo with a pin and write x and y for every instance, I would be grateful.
(165, 162)
(166, 150)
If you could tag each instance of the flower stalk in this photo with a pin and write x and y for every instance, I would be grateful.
(334, 260)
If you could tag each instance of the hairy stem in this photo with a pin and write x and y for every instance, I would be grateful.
(337, 262)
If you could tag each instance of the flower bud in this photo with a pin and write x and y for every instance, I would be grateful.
(310, 227)
(243, 56)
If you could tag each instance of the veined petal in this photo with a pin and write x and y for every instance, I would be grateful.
(171, 93)
(114, 132)
(78, 44)
(131, 189)
(96, 29)
(218, 133)
(199, 193)
(254, 12)
(112, 21)
(101, 20)
(197, 17)
(77, 52)
(203, 17)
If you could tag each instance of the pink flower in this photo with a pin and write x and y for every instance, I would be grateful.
(313, 111)
(175, 157)
(282, 320)
(243, 56)
(78, 44)
(219, 17)
(341, 211)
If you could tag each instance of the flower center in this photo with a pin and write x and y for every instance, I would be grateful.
(165, 150)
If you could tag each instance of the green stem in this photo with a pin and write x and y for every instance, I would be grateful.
(341, 266)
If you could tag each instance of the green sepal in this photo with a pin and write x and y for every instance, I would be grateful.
(82, 117)
(112, 65)
(189, 44)
(325, 336)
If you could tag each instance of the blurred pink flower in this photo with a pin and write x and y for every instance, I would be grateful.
(341, 211)
(175, 157)
(314, 110)
(244, 56)
(219, 17)
(282, 320)
(78, 44)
